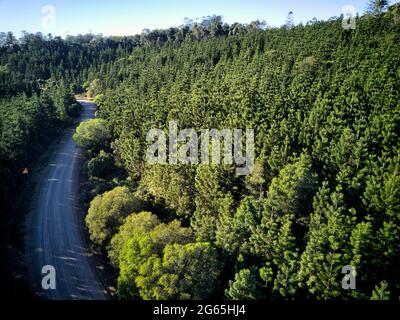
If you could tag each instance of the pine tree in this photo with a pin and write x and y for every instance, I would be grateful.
(377, 6)
(289, 20)
(286, 262)
(234, 231)
(365, 261)
(289, 195)
(245, 286)
(211, 185)
(380, 292)
(328, 247)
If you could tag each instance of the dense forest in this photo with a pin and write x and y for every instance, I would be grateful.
(325, 190)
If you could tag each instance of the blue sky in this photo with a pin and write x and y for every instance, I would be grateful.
(123, 17)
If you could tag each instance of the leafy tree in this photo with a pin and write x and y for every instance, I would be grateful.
(380, 292)
(134, 225)
(101, 165)
(92, 135)
(377, 6)
(141, 257)
(187, 271)
(107, 213)
(74, 110)
(168, 185)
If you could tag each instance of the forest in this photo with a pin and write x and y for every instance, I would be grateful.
(325, 190)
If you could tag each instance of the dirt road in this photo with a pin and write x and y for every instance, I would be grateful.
(54, 227)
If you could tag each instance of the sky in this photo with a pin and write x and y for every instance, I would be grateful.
(128, 17)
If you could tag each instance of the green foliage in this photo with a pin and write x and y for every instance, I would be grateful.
(185, 272)
(288, 200)
(285, 262)
(324, 107)
(101, 165)
(234, 231)
(377, 6)
(28, 123)
(380, 292)
(365, 256)
(93, 88)
(208, 196)
(107, 213)
(324, 103)
(92, 135)
(27, 62)
(382, 192)
(328, 247)
(141, 259)
(74, 110)
(134, 225)
(246, 286)
(212, 193)
(168, 185)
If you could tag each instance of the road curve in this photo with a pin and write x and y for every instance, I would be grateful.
(54, 227)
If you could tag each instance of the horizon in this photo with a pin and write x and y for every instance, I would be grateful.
(127, 18)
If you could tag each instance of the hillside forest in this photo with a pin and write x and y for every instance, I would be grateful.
(324, 193)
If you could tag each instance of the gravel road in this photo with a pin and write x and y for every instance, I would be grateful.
(54, 227)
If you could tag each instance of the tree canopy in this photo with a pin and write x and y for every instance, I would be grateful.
(108, 211)
(324, 103)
